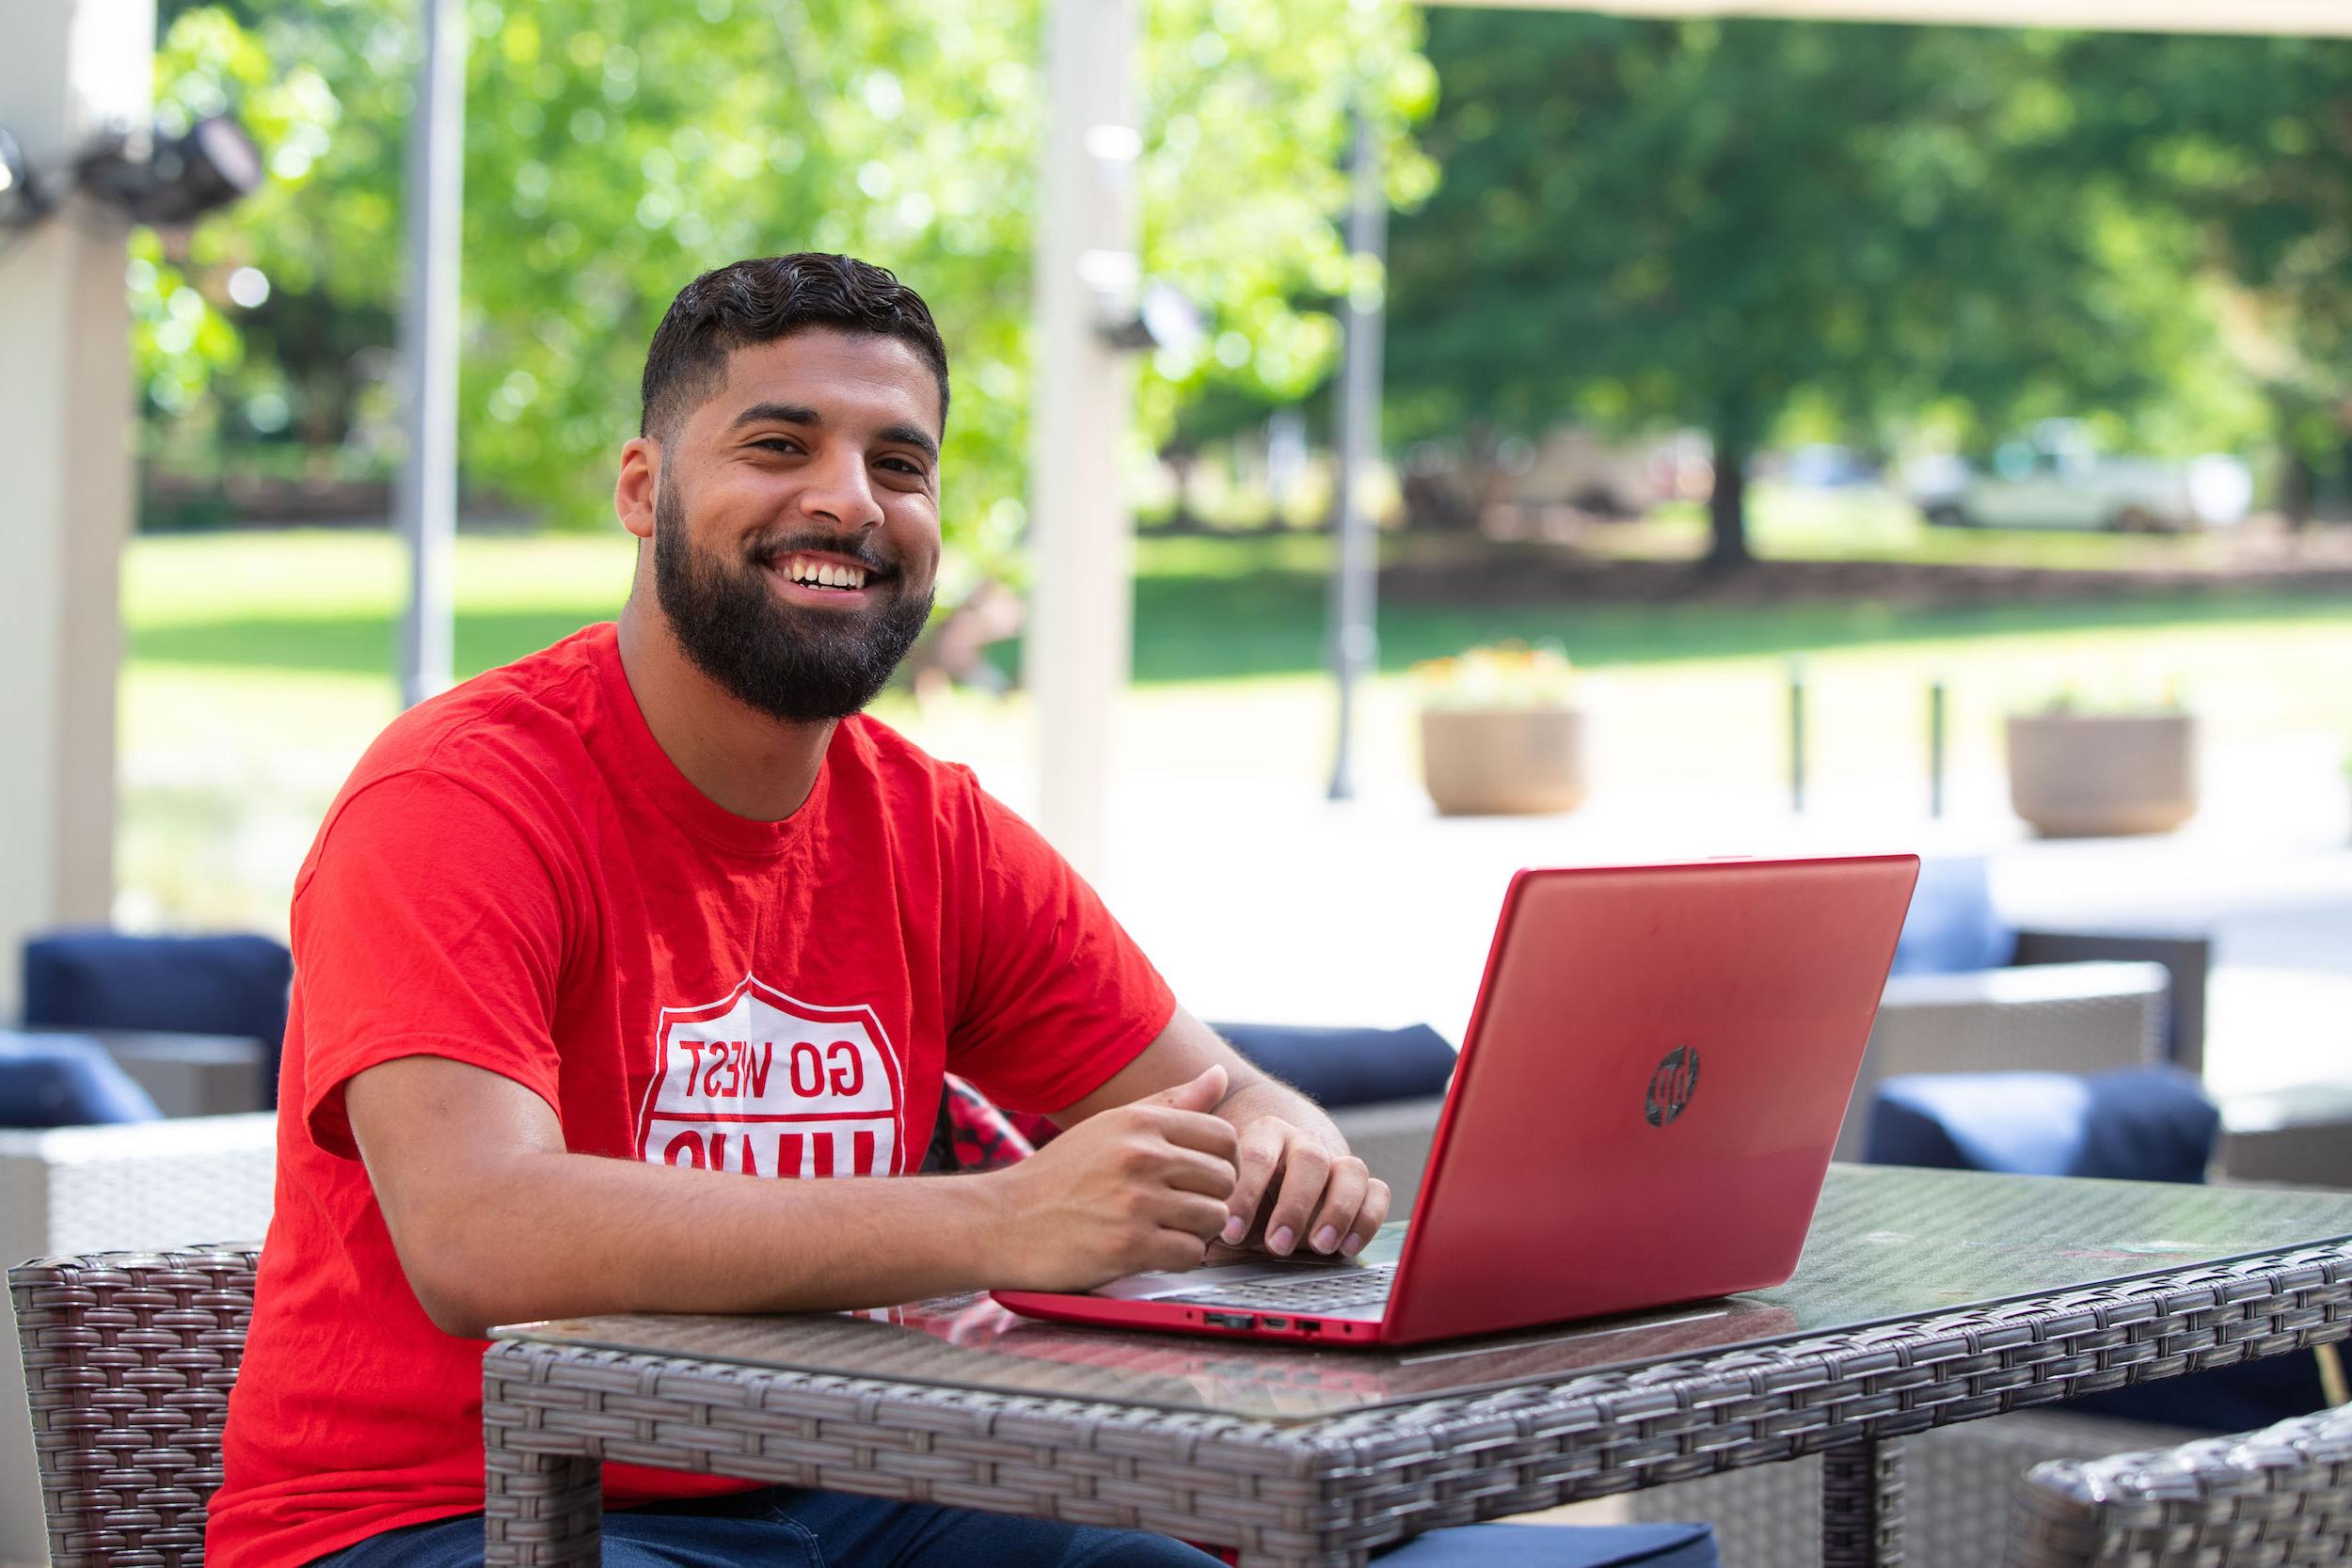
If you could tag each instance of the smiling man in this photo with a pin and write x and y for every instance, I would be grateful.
(606, 957)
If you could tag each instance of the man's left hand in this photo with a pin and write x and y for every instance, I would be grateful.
(1295, 1190)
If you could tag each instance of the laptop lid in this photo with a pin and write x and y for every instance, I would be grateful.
(1649, 1088)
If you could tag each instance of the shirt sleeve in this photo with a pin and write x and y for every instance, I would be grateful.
(426, 924)
(1057, 996)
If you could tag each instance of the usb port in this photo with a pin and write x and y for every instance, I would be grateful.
(1228, 1319)
(1272, 1322)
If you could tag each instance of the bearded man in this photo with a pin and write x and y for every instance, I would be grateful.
(605, 957)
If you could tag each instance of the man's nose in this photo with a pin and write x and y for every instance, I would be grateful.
(840, 489)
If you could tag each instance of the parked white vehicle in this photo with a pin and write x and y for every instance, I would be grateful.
(2055, 481)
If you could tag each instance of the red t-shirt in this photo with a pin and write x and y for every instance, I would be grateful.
(517, 876)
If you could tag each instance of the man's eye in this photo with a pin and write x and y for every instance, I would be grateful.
(903, 466)
(776, 443)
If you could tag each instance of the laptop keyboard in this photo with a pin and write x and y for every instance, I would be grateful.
(1318, 1293)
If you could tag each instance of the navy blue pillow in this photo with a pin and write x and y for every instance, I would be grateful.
(64, 1080)
(1952, 927)
(1347, 1066)
(2134, 1124)
(205, 985)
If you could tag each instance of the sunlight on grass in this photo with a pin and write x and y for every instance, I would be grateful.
(261, 668)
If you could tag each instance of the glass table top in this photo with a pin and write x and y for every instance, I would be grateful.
(1887, 1243)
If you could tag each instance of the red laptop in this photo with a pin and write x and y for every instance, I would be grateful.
(1642, 1113)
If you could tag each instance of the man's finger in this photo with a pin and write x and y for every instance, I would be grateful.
(1343, 1193)
(1369, 1219)
(1201, 1094)
(1305, 1165)
(1255, 1160)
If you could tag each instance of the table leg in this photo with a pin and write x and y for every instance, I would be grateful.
(542, 1510)
(1862, 1505)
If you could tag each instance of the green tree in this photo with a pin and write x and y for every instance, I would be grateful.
(2250, 140)
(616, 148)
(1730, 225)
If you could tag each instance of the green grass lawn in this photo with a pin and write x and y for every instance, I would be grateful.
(261, 666)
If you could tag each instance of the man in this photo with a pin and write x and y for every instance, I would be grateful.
(594, 949)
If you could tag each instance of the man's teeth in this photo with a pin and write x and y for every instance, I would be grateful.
(823, 573)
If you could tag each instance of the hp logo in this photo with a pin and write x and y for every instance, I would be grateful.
(1672, 1085)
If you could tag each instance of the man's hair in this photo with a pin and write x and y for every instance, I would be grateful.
(768, 297)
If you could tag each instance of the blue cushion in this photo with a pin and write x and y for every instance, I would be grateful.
(1347, 1066)
(2136, 1124)
(1557, 1546)
(65, 1081)
(207, 985)
(1952, 927)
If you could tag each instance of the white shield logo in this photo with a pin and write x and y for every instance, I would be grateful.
(767, 1085)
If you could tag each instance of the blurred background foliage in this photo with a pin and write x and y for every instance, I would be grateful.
(1891, 237)
(616, 147)
(1769, 231)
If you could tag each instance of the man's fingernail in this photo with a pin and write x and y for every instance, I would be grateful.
(1353, 1246)
(1326, 1238)
(1280, 1241)
(1235, 1228)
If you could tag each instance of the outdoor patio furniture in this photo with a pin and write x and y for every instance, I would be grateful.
(65, 1081)
(232, 985)
(2069, 1017)
(81, 1190)
(2281, 1497)
(1926, 1298)
(133, 1356)
(190, 1075)
(2131, 1124)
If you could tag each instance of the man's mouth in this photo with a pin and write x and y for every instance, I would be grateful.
(824, 575)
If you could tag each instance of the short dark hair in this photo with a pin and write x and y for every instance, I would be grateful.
(765, 299)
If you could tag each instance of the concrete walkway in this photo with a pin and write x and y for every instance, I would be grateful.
(1261, 899)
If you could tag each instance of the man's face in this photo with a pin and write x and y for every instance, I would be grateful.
(796, 522)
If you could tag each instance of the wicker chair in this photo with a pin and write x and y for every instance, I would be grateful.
(2281, 1497)
(129, 1357)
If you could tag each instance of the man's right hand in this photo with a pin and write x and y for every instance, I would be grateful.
(1138, 1187)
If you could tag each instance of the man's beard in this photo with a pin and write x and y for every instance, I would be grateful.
(787, 661)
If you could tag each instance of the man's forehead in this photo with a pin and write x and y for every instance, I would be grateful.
(843, 375)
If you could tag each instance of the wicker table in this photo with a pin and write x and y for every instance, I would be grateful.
(1924, 1297)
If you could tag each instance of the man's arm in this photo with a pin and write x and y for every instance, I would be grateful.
(1296, 1180)
(495, 1222)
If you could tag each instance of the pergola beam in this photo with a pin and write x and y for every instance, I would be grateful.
(2305, 18)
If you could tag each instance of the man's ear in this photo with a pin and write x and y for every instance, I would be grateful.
(640, 481)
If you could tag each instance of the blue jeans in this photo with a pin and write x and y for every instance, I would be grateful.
(783, 1527)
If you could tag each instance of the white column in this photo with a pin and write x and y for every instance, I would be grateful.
(69, 67)
(426, 506)
(1079, 643)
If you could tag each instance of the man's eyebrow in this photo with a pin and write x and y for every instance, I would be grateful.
(778, 413)
(907, 435)
(798, 413)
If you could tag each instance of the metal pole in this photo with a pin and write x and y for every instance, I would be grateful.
(1796, 735)
(425, 504)
(1935, 749)
(1354, 642)
(1079, 643)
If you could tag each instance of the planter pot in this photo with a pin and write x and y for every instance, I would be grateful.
(2090, 775)
(1503, 761)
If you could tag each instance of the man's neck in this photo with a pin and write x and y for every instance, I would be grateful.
(741, 759)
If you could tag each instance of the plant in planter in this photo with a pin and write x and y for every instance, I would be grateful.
(2083, 770)
(1501, 732)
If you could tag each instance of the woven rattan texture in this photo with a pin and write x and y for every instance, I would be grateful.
(1327, 1491)
(2265, 1499)
(128, 1362)
(1958, 1484)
